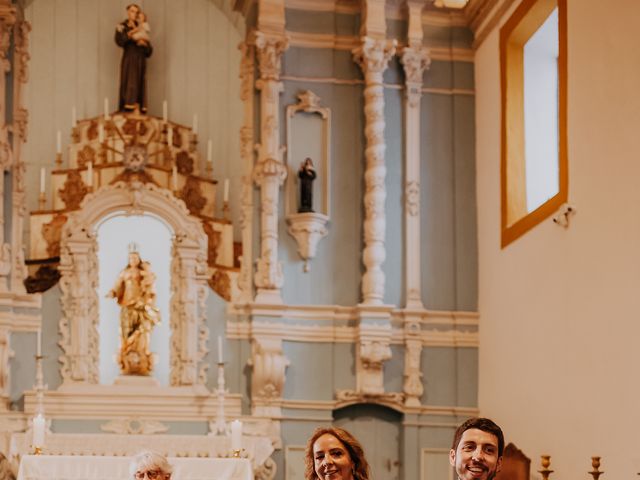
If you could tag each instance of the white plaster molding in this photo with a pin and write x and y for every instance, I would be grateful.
(21, 57)
(247, 67)
(307, 229)
(412, 387)
(373, 56)
(269, 366)
(269, 172)
(79, 279)
(86, 401)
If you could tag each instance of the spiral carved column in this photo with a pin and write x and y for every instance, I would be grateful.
(372, 56)
(269, 172)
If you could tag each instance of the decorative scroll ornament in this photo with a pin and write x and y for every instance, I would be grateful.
(192, 195)
(134, 427)
(73, 191)
(21, 50)
(412, 198)
(269, 365)
(413, 388)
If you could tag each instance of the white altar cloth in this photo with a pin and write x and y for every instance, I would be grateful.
(66, 467)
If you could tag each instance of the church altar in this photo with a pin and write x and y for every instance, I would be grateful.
(65, 467)
(62, 445)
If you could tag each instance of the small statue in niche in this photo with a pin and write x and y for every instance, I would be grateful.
(133, 36)
(135, 292)
(306, 174)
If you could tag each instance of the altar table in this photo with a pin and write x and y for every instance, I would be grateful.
(67, 467)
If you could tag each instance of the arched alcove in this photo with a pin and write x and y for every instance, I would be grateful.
(379, 430)
(79, 281)
(152, 239)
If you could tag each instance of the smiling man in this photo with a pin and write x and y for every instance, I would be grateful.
(476, 453)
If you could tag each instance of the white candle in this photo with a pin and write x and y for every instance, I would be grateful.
(42, 179)
(165, 111)
(106, 108)
(226, 190)
(39, 426)
(236, 435)
(209, 151)
(195, 124)
(219, 349)
(90, 174)
(58, 142)
(74, 117)
(39, 343)
(170, 137)
(174, 178)
(100, 133)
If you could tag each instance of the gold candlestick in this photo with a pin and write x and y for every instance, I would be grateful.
(59, 160)
(545, 462)
(595, 463)
(75, 134)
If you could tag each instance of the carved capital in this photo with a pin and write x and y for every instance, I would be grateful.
(415, 61)
(373, 55)
(270, 49)
(267, 169)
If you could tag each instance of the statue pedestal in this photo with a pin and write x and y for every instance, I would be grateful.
(307, 228)
(136, 381)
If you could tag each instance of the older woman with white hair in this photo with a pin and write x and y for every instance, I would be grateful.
(151, 465)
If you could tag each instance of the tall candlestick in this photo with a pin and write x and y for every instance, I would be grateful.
(209, 151)
(225, 197)
(58, 142)
(106, 108)
(39, 343)
(219, 349)
(236, 435)
(74, 117)
(165, 111)
(90, 174)
(195, 124)
(100, 133)
(39, 426)
(170, 137)
(42, 179)
(174, 178)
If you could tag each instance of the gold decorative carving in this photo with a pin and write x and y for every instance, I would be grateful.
(92, 131)
(21, 50)
(192, 195)
(221, 284)
(130, 176)
(20, 121)
(74, 190)
(86, 155)
(184, 163)
(213, 243)
(51, 234)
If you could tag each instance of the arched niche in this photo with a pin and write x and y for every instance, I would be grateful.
(79, 280)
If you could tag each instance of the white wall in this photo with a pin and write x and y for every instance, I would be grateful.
(560, 330)
(75, 62)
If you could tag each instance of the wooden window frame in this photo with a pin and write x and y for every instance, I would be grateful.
(523, 23)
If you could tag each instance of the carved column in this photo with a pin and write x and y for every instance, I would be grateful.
(269, 172)
(267, 380)
(7, 21)
(245, 279)
(415, 60)
(373, 55)
(20, 119)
